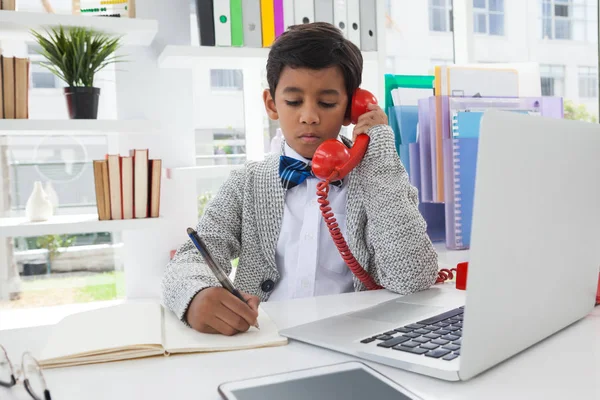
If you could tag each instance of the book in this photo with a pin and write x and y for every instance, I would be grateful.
(135, 330)
(140, 182)
(21, 68)
(8, 86)
(114, 180)
(155, 173)
(9, 5)
(1, 86)
(127, 186)
(102, 189)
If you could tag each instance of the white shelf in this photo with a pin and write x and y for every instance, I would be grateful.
(63, 224)
(214, 171)
(225, 57)
(136, 32)
(76, 127)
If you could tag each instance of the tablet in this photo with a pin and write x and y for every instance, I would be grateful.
(349, 381)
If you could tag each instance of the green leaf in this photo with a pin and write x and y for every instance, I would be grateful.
(77, 54)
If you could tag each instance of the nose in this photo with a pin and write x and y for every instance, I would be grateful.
(309, 115)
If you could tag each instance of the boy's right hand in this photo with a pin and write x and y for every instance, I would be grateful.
(215, 310)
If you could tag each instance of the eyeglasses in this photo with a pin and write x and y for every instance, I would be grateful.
(31, 372)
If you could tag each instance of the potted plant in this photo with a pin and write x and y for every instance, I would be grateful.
(75, 55)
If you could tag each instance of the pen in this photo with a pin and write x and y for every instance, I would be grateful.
(218, 272)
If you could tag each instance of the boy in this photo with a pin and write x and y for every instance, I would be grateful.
(272, 221)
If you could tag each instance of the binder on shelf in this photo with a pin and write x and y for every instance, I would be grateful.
(324, 11)
(222, 18)
(354, 27)
(237, 25)
(278, 17)
(340, 16)
(304, 12)
(288, 14)
(406, 120)
(268, 22)
(368, 25)
(206, 22)
(426, 187)
(251, 21)
(460, 155)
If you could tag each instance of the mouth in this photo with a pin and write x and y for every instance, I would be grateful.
(309, 138)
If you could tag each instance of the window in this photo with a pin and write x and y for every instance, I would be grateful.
(588, 82)
(570, 20)
(488, 17)
(552, 80)
(226, 79)
(41, 77)
(440, 15)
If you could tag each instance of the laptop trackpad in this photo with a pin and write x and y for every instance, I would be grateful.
(395, 311)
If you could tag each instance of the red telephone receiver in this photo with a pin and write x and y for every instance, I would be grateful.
(333, 161)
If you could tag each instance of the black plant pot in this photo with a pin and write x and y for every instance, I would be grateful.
(82, 102)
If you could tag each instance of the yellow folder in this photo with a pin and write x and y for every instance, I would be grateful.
(267, 17)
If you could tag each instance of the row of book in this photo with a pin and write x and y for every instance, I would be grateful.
(128, 186)
(14, 87)
(9, 5)
(105, 8)
(436, 121)
(257, 23)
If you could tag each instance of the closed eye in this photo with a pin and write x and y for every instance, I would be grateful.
(292, 103)
(327, 105)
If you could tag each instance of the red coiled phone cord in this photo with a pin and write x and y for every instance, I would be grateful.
(336, 234)
(340, 242)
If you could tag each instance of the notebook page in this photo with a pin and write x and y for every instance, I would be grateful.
(120, 326)
(180, 338)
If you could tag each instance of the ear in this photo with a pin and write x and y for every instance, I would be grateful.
(270, 105)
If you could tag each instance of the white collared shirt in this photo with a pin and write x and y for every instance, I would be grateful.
(306, 256)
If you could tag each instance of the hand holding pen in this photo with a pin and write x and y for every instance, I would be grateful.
(220, 309)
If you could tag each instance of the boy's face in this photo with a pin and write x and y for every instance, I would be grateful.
(310, 106)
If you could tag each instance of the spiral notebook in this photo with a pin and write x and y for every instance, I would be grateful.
(141, 329)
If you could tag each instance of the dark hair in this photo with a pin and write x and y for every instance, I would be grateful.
(316, 46)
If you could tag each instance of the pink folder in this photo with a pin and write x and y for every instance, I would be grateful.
(278, 9)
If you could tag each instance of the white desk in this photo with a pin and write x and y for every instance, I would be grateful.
(564, 366)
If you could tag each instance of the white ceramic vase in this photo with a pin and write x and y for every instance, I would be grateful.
(52, 195)
(39, 207)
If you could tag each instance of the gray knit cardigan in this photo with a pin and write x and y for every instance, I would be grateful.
(385, 231)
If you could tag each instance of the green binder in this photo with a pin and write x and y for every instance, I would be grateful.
(237, 28)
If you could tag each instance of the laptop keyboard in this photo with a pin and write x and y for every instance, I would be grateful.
(438, 337)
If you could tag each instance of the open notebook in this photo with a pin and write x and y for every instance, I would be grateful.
(134, 330)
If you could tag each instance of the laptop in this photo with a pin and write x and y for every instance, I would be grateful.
(534, 259)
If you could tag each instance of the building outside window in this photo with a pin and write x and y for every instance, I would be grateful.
(488, 17)
(440, 15)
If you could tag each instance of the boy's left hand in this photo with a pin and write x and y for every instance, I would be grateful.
(375, 116)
